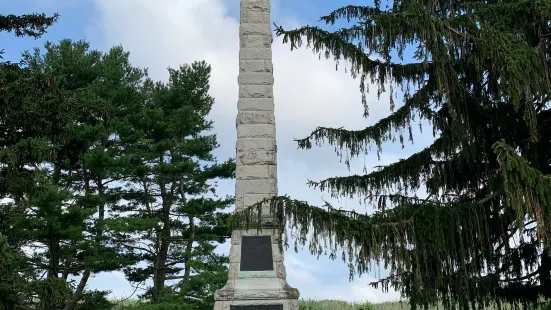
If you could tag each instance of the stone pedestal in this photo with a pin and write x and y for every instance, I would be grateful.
(257, 278)
(256, 287)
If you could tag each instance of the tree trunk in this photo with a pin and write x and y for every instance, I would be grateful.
(189, 248)
(87, 270)
(80, 289)
(159, 277)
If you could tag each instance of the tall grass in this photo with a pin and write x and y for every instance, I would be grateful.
(324, 305)
(304, 305)
(343, 305)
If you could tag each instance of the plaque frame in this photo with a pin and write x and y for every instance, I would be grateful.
(257, 307)
(256, 253)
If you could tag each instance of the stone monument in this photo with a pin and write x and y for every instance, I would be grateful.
(257, 277)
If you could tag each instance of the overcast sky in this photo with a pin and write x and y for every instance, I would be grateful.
(308, 92)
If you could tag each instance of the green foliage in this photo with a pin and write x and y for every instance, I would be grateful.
(32, 25)
(365, 306)
(12, 283)
(479, 75)
(303, 305)
(171, 225)
(58, 156)
(95, 300)
(75, 122)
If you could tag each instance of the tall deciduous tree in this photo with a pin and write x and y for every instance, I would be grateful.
(175, 219)
(480, 75)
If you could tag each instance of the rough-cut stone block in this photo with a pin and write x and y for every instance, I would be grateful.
(266, 17)
(252, 65)
(256, 144)
(277, 255)
(255, 117)
(256, 293)
(255, 104)
(256, 158)
(255, 5)
(270, 117)
(233, 272)
(252, 172)
(288, 304)
(281, 273)
(255, 78)
(265, 274)
(256, 91)
(256, 131)
(266, 186)
(255, 40)
(268, 66)
(272, 171)
(235, 254)
(254, 16)
(261, 232)
(255, 28)
(263, 53)
(251, 199)
(239, 202)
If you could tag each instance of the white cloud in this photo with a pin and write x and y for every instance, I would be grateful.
(361, 291)
(299, 271)
(308, 92)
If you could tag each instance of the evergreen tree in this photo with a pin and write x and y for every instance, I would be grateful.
(15, 178)
(480, 75)
(31, 25)
(172, 217)
(28, 25)
(60, 118)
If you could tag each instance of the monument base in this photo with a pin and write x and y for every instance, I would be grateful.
(276, 304)
(246, 287)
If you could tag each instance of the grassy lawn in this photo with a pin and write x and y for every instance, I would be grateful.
(325, 305)
(343, 305)
(311, 305)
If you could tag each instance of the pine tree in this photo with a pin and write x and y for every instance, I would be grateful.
(60, 119)
(480, 76)
(15, 177)
(172, 220)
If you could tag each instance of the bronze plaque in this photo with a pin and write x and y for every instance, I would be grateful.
(256, 255)
(259, 307)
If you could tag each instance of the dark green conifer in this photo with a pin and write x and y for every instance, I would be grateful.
(172, 217)
(480, 75)
(59, 157)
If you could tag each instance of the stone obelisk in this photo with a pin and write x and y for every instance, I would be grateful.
(257, 277)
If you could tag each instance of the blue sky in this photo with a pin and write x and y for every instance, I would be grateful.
(308, 92)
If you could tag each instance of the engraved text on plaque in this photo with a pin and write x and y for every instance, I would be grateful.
(256, 253)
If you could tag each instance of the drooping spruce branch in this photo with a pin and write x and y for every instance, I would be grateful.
(527, 190)
(392, 237)
(359, 141)
(489, 68)
(33, 25)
